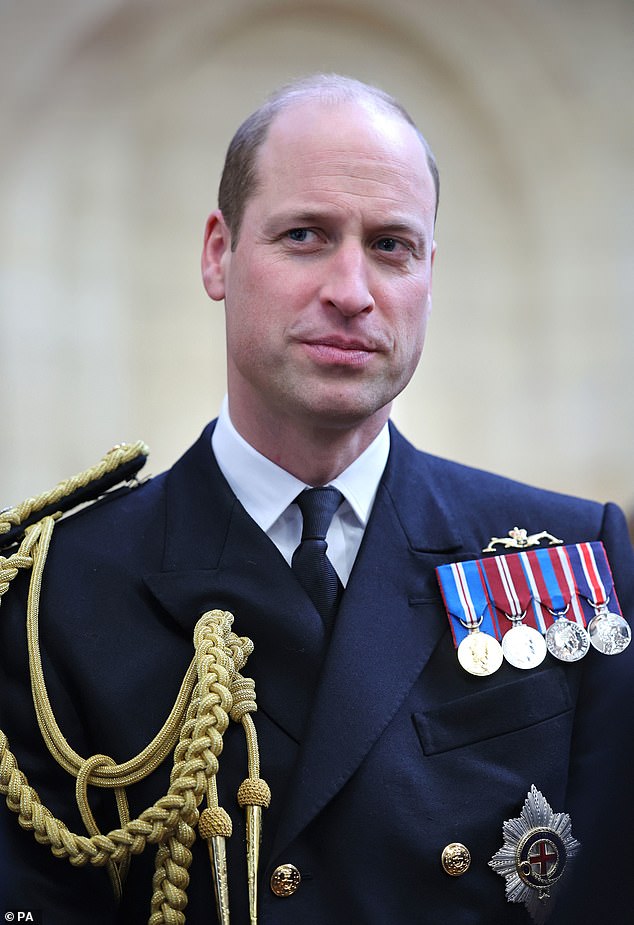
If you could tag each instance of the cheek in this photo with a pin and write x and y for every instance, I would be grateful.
(410, 339)
(248, 334)
(247, 309)
(410, 321)
(412, 344)
(268, 295)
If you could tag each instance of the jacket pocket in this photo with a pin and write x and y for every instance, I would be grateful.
(486, 714)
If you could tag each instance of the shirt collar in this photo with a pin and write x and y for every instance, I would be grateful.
(265, 490)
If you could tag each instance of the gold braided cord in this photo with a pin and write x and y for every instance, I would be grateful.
(170, 821)
(117, 456)
(9, 568)
(212, 692)
(211, 697)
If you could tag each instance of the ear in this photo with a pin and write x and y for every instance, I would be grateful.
(215, 256)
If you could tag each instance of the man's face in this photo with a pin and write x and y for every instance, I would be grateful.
(328, 289)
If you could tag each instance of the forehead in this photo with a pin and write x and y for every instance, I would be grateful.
(346, 151)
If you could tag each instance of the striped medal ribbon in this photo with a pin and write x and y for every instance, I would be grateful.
(522, 644)
(609, 632)
(473, 621)
(549, 575)
(553, 599)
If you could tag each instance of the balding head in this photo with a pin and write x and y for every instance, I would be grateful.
(239, 179)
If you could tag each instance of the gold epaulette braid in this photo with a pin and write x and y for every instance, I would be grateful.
(119, 463)
(212, 692)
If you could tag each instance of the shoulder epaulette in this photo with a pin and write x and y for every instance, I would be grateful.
(120, 464)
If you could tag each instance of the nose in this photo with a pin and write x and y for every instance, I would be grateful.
(347, 284)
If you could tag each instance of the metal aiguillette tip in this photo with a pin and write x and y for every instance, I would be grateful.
(218, 857)
(253, 795)
(214, 826)
(254, 834)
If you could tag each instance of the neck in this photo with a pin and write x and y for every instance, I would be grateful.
(315, 453)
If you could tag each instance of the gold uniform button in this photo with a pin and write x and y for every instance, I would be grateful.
(455, 859)
(285, 880)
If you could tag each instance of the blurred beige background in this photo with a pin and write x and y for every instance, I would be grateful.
(114, 119)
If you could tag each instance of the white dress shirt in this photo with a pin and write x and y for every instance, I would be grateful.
(267, 492)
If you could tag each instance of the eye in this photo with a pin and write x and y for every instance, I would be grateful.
(300, 235)
(391, 245)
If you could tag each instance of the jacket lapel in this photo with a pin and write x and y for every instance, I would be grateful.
(216, 557)
(388, 625)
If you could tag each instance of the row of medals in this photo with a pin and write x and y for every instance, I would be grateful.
(523, 646)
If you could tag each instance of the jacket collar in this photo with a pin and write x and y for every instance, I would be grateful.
(200, 505)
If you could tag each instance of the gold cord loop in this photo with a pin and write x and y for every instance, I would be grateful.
(116, 872)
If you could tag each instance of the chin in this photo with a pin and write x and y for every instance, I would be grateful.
(344, 413)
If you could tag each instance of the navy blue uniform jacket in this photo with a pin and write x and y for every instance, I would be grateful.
(379, 749)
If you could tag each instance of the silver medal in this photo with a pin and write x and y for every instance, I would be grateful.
(567, 640)
(523, 646)
(608, 631)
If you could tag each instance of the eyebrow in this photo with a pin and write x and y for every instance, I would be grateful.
(292, 219)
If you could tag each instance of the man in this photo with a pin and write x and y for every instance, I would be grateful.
(392, 771)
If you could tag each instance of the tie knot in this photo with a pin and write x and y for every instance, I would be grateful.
(318, 506)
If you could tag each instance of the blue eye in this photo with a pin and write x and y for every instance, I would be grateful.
(298, 234)
(388, 244)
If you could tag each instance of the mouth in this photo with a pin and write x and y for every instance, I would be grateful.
(339, 351)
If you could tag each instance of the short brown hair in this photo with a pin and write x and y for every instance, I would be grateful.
(239, 177)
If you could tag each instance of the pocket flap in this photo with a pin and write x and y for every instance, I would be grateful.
(485, 714)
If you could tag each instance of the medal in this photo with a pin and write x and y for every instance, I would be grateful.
(534, 854)
(565, 639)
(609, 632)
(472, 620)
(479, 653)
(523, 646)
(556, 598)
(553, 588)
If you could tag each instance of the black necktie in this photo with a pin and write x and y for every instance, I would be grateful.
(312, 567)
